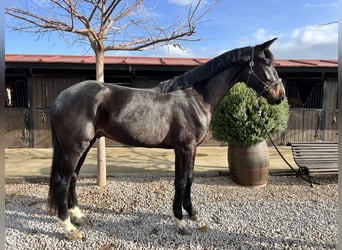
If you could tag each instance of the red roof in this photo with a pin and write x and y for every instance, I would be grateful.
(153, 60)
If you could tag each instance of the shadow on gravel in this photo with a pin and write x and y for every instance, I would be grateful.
(115, 225)
(158, 231)
(155, 230)
(29, 216)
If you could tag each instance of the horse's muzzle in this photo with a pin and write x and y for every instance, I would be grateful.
(276, 94)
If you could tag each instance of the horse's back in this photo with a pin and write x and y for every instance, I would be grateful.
(139, 117)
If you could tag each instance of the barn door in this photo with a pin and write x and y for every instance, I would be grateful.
(18, 131)
(45, 89)
(42, 134)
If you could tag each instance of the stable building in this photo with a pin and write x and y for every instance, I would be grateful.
(35, 80)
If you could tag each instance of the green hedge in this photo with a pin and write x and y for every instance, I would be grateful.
(236, 120)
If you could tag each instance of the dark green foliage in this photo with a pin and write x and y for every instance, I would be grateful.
(236, 120)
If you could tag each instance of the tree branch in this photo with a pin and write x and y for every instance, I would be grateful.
(96, 6)
(110, 10)
(144, 44)
(96, 20)
(326, 24)
(38, 21)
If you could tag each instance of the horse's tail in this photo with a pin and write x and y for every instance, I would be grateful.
(56, 172)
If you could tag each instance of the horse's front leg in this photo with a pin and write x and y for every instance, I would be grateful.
(184, 162)
(187, 204)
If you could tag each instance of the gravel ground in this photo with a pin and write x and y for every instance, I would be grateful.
(136, 213)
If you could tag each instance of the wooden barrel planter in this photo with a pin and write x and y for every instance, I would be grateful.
(249, 166)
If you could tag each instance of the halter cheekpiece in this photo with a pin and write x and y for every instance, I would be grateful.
(251, 72)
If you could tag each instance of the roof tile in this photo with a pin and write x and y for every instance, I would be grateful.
(153, 60)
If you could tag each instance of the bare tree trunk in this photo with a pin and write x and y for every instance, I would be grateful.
(101, 143)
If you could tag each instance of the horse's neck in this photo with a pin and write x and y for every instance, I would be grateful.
(215, 89)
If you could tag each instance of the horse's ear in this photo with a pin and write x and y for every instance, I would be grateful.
(265, 45)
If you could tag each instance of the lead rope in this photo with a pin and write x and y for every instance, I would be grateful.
(298, 174)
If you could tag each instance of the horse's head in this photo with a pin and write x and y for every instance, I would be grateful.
(262, 76)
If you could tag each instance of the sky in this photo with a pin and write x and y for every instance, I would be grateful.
(298, 25)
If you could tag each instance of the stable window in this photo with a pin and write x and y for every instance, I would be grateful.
(304, 93)
(16, 94)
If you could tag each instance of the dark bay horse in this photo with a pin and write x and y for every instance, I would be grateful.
(176, 114)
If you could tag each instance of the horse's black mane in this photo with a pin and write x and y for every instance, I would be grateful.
(207, 70)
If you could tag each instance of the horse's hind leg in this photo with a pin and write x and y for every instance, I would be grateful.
(60, 194)
(73, 208)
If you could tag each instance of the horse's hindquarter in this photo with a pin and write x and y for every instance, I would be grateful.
(150, 118)
(73, 111)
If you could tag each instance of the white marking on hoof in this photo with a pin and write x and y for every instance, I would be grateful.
(75, 212)
(71, 232)
(78, 216)
(182, 227)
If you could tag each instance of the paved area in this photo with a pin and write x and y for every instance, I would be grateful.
(26, 163)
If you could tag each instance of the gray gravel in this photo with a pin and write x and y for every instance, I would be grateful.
(135, 213)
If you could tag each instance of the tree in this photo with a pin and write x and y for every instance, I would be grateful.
(106, 25)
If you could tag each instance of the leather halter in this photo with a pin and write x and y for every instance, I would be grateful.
(251, 72)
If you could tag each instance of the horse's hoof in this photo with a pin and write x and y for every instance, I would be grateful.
(74, 235)
(184, 231)
(195, 217)
(71, 232)
(182, 227)
(83, 221)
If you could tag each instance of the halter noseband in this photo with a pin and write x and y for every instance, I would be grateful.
(251, 72)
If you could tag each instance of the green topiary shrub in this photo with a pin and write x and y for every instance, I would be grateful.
(236, 120)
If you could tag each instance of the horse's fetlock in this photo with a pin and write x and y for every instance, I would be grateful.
(75, 212)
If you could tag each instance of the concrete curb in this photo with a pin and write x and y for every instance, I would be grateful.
(213, 173)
